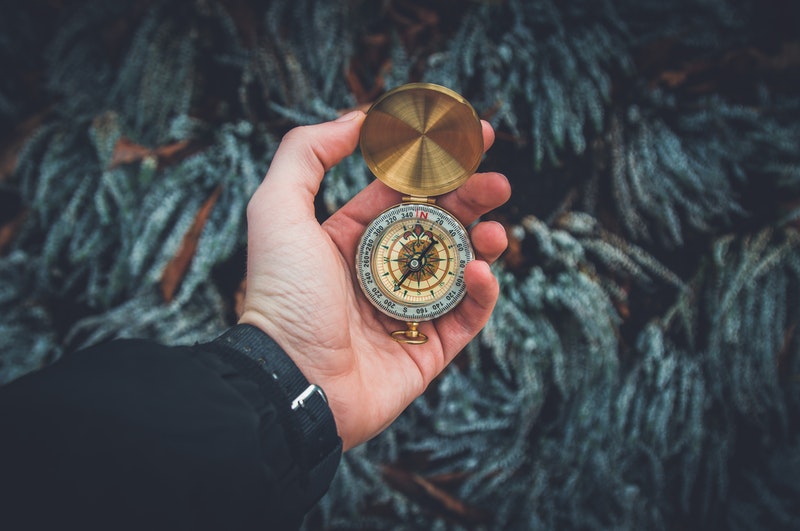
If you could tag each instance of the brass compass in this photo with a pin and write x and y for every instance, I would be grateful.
(422, 140)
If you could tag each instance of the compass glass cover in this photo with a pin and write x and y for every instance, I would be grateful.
(411, 261)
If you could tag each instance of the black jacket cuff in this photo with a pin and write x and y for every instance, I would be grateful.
(302, 410)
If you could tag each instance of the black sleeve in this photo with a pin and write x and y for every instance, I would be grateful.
(135, 435)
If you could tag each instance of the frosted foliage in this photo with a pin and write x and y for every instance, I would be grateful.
(639, 370)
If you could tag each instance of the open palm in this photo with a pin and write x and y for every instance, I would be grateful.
(302, 289)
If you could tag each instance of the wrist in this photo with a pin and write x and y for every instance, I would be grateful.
(319, 365)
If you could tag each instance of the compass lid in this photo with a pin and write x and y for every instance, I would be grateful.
(422, 139)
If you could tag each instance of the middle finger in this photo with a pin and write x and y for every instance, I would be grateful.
(481, 193)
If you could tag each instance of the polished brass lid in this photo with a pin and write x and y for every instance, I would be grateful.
(422, 139)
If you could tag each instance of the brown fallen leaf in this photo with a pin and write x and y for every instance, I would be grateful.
(356, 86)
(127, 151)
(705, 75)
(622, 306)
(12, 145)
(419, 488)
(416, 24)
(238, 298)
(176, 268)
(9, 230)
(513, 257)
(360, 93)
(783, 358)
(244, 17)
(168, 152)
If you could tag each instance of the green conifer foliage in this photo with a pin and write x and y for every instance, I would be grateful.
(554, 61)
(640, 370)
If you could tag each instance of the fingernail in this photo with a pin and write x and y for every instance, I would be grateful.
(347, 117)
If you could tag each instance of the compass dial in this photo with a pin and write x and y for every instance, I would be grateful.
(411, 261)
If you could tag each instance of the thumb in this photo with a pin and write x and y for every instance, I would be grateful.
(303, 157)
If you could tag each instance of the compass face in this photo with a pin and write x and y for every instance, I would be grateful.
(411, 261)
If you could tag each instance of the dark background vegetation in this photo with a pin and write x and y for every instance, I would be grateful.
(642, 368)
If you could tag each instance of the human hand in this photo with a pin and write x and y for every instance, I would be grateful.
(303, 292)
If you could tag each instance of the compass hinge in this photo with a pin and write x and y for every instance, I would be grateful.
(419, 199)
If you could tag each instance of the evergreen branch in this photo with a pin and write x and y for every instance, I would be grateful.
(523, 57)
